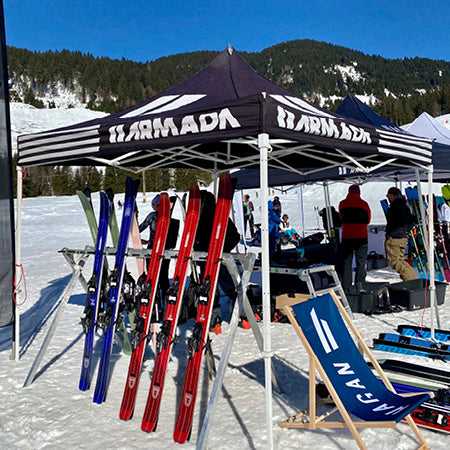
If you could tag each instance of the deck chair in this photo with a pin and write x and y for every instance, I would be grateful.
(320, 323)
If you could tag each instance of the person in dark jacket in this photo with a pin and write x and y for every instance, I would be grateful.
(355, 216)
(399, 222)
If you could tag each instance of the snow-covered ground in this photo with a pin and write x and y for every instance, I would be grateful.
(52, 413)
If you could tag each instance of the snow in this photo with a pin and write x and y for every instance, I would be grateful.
(52, 413)
(26, 119)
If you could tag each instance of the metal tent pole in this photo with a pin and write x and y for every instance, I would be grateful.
(423, 219)
(301, 209)
(16, 328)
(144, 199)
(264, 146)
(432, 287)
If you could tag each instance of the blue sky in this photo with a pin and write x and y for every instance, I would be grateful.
(146, 30)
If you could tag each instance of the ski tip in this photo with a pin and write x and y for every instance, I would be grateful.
(194, 192)
(83, 386)
(99, 398)
(225, 186)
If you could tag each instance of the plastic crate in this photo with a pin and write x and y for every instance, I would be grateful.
(412, 295)
(375, 261)
(364, 296)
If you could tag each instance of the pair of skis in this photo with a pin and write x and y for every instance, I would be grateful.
(434, 413)
(89, 319)
(442, 268)
(414, 340)
(166, 337)
(109, 317)
(94, 295)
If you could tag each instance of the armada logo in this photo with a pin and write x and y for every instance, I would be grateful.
(188, 397)
(326, 126)
(164, 127)
(155, 391)
(131, 381)
(164, 104)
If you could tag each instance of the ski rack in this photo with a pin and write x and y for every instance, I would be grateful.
(240, 277)
(245, 261)
(305, 275)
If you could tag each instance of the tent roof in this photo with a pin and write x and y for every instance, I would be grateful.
(213, 119)
(423, 126)
(427, 126)
(354, 108)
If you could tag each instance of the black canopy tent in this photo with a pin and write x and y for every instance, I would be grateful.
(212, 120)
(227, 116)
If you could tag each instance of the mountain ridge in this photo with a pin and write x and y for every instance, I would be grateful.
(398, 89)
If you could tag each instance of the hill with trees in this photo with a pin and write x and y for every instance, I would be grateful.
(323, 73)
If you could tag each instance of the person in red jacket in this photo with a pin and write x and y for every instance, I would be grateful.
(355, 216)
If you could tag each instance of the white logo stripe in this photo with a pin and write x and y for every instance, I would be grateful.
(300, 104)
(329, 334)
(163, 104)
(319, 330)
(149, 106)
(184, 100)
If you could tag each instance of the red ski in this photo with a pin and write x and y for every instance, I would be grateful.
(198, 341)
(140, 334)
(166, 338)
(432, 416)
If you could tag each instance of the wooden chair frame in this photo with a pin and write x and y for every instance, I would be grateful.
(284, 303)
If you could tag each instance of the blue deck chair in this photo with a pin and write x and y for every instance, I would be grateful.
(324, 326)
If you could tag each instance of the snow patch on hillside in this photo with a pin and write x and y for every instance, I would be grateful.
(348, 72)
(26, 119)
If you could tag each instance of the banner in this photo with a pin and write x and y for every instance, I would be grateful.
(7, 253)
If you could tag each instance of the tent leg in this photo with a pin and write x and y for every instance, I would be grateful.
(423, 223)
(64, 299)
(264, 146)
(241, 284)
(432, 287)
(16, 327)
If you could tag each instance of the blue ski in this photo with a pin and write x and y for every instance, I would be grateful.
(424, 332)
(419, 342)
(93, 296)
(109, 319)
(409, 349)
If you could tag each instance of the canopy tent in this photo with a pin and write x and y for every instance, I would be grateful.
(424, 126)
(212, 119)
(353, 107)
(429, 127)
(227, 116)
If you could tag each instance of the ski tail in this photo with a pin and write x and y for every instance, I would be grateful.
(166, 338)
(199, 339)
